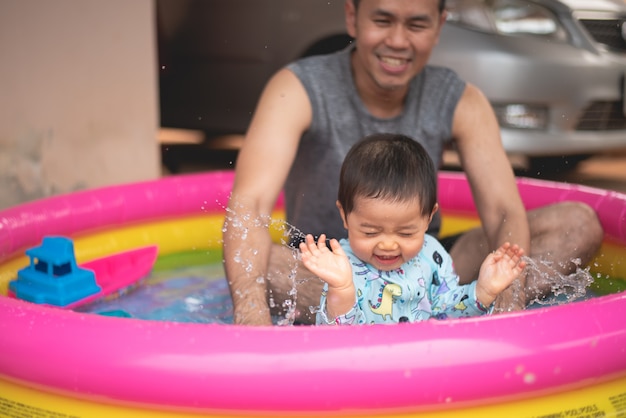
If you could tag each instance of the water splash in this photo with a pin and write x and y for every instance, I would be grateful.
(239, 221)
(561, 288)
(289, 305)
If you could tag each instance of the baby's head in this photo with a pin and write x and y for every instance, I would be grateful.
(391, 167)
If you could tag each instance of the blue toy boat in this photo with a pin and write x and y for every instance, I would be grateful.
(54, 278)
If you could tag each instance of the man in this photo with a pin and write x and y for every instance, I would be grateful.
(309, 115)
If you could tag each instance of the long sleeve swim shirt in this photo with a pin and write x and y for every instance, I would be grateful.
(425, 287)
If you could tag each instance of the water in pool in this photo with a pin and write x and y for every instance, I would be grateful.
(192, 287)
(181, 288)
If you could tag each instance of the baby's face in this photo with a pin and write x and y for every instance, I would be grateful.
(384, 233)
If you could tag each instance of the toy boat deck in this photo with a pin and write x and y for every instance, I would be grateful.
(54, 278)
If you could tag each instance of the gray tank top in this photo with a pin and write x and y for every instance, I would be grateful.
(340, 119)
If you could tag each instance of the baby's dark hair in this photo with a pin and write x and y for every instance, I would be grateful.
(442, 4)
(391, 167)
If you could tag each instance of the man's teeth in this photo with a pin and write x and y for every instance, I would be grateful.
(392, 61)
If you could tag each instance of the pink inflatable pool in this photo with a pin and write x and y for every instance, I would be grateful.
(537, 362)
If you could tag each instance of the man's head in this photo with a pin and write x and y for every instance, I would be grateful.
(394, 40)
(442, 4)
(389, 167)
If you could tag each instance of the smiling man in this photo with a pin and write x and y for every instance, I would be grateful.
(310, 114)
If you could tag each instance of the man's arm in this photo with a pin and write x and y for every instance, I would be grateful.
(282, 115)
(477, 136)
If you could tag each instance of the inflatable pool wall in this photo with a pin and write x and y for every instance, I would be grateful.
(568, 360)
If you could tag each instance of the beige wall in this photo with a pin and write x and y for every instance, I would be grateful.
(78, 96)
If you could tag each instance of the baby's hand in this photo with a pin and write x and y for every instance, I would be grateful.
(498, 271)
(331, 266)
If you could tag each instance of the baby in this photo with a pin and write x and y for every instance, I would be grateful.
(388, 269)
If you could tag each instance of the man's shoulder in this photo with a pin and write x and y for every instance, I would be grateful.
(441, 88)
(322, 75)
(318, 61)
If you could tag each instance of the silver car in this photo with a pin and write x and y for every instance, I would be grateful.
(553, 70)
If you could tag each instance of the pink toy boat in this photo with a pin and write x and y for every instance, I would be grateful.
(54, 278)
(119, 273)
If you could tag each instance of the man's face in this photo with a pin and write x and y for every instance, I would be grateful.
(394, 39)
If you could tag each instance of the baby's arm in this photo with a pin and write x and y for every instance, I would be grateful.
(334, 268)
(498, 271)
